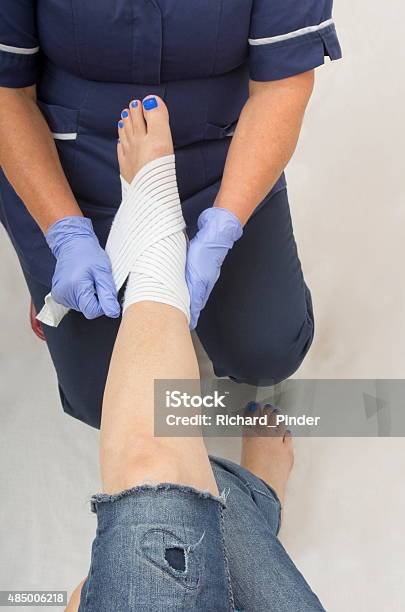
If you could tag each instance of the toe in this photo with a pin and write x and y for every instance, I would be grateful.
(138, 120)
(122, 136)
(287, 436)
(155, 112)
(271, 412)
(127, 121)
(251, 408)
(156, 104)
(158, 128)
(288, 444)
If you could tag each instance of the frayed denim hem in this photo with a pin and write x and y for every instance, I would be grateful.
(100, 498)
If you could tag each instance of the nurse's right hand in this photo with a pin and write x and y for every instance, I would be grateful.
(83, 276)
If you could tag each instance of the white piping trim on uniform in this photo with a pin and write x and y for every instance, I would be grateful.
(295, 34)
(19, 50)
(72, 136)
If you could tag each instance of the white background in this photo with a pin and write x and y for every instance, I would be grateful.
(344, 520)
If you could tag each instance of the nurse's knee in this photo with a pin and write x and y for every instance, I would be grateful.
(84, 404)
(262, 363)
(272, 368)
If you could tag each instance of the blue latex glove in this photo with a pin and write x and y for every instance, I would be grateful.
(83, 277)
(218, 229)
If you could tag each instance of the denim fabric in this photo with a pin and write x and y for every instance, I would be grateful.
(263, 577)
(158, 549)
(173, 548)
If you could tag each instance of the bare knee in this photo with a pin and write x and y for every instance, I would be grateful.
(147, 461)
(181, 461)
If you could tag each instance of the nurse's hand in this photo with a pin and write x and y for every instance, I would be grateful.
(83, 277)
(218, 230)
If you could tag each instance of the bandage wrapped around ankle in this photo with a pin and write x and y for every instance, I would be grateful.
(147, 243)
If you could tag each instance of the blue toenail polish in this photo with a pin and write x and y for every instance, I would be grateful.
(150, 103)
(120, 124)
(124, 114)
(252, 406)
(134, 104)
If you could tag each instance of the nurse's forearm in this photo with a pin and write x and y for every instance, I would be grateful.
(264, 141)
(30, 161)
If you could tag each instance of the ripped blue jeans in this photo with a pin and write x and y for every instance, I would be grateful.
(172, 548)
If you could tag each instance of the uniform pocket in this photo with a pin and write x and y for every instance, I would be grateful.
(64, 125)
(214, 131)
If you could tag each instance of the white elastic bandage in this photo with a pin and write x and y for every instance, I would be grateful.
(147, 243)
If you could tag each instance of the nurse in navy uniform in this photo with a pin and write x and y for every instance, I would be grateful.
(236, 76)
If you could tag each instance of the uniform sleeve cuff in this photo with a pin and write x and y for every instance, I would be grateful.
(18, 70)
(279, 60)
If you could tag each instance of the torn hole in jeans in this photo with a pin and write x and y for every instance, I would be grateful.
(176, 558)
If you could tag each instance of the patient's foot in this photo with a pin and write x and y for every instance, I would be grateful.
(268, 452)
(151, 256)
(144, 135)
(74, 602)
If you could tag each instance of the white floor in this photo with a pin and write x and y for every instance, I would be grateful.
(344, 517)
(344, 521)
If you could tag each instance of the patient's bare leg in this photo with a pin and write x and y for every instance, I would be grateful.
(153, 343)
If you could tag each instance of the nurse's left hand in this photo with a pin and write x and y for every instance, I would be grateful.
(83, 276)
(218, 230)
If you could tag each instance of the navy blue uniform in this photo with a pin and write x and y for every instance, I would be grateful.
(88, 60)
